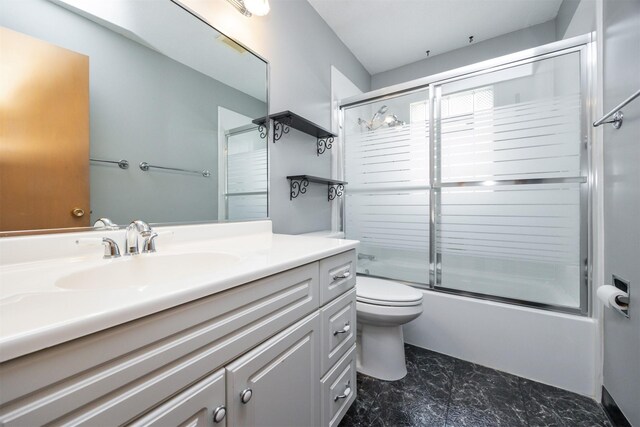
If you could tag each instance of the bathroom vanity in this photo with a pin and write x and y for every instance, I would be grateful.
(265, 338)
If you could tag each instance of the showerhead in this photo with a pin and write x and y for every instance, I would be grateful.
(378, 120)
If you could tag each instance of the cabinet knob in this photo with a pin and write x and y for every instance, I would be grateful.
(245, 395)
(77, 212)
(345, 394)
(347, 328)
(219, 413)
(344, 275)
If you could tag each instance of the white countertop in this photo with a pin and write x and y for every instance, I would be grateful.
(36, 314)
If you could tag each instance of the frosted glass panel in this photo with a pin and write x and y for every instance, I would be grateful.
(246, 171)
(387, 198)
(243, 207)
(520, 241)
(508, 185)
(516, 241)
(525, 126)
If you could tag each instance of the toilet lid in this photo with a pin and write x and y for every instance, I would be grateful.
(373, 290)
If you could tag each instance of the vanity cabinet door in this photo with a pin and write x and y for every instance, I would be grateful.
(276, 384)
(201, 405)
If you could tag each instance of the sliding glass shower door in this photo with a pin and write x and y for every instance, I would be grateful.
(511, 169)
(387, 200)
(477, 185)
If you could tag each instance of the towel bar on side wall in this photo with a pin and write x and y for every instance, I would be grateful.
(616, 113)
(122, 164)
(146, 166)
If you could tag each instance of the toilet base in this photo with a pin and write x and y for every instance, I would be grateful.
(381, 352)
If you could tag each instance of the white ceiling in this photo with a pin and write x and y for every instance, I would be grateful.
(385, 34)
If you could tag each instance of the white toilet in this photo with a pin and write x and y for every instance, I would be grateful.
(382, 307)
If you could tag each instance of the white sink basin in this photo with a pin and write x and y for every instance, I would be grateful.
(141, 271)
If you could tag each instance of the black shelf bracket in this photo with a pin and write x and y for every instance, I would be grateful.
(281, 126)
(263, 131)
(324, 144)
(297, 186)
(285, 120)
(335, 190)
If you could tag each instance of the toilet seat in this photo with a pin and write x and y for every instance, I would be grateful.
(376, 291)
(388, 303)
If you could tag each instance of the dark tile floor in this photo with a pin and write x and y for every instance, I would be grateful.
(441, 390)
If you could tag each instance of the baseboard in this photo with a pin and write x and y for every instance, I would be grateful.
(612, 410)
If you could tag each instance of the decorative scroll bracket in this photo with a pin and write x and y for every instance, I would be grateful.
(263, 131)
(280, 127)
(324, 144)
(297, 187)
(335, 190)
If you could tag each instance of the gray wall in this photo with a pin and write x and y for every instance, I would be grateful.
(144, 107)
(300, 48)
(621, 65)
(509, 43)
(575, 17)
(565, 15)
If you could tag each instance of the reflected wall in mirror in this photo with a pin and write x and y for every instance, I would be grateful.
(90, 90)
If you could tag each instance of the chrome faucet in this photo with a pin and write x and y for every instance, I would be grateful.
(105, 223)
(137, 229)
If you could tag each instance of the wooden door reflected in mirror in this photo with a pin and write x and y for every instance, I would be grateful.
(44, 135)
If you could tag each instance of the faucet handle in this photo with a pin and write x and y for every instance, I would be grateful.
(111, 249)
(149, 245)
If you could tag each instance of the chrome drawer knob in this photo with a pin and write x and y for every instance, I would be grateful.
(219, 413)
(347, 328)
(245, 395)
(344, 275)
(345, 394)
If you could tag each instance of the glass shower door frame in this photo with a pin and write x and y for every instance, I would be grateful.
(585, 181)
(585, 45)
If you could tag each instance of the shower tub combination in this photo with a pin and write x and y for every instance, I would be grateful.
(474, 185)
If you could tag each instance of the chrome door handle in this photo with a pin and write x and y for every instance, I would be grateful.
(344, 275)
(245, 395)
(347, 328)
(345, 394)
(219, 413)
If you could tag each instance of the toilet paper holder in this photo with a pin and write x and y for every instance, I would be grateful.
(623, 285)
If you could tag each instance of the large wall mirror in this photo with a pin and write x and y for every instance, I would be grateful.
(127, 110)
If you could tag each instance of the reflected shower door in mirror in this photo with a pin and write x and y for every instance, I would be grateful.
(113, 109)
(243, 167)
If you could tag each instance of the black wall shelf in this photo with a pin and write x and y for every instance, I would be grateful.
(282, 122)
(298, 185)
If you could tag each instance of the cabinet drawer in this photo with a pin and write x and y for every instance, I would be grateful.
(337, 275)
(338, 389)
(195, 407)
(116, 375)
(338, 329)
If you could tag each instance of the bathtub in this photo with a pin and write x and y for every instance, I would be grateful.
(553, 348)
